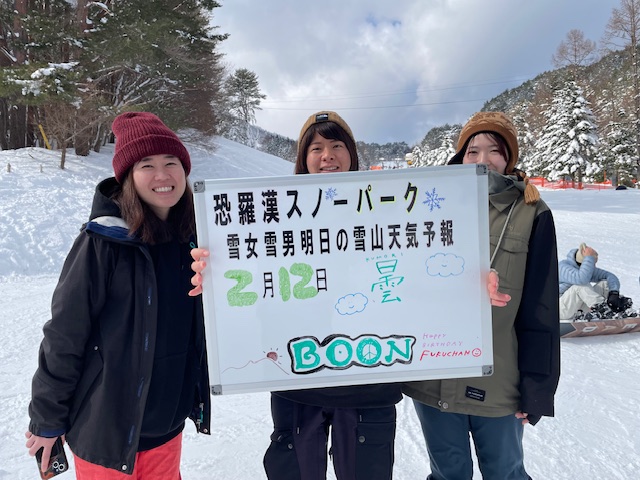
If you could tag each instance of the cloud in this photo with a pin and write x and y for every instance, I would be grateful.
(445, 265)
(351, 304)
(394, 70)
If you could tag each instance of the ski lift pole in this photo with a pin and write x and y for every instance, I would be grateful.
(44, 136)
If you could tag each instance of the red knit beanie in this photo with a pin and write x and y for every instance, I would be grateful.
(140, 135)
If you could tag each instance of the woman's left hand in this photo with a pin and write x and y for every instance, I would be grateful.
(497, 299)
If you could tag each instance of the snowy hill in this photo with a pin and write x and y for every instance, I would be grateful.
(48, 205)
(594, 434)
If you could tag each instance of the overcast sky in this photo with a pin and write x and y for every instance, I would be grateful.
(393, 69)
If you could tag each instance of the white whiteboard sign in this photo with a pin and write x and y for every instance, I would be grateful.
(344, 279)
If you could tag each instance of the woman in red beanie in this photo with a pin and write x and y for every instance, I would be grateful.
(123, 361)
(526, 337)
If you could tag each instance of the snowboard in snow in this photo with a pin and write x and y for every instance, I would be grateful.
(599, 327)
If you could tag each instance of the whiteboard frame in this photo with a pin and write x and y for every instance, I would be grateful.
(204, 188)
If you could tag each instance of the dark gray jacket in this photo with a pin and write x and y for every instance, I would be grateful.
(96, 358)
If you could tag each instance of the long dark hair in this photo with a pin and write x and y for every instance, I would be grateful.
(330, 131)
(146, 225)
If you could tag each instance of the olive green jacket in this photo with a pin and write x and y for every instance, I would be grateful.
(526, 337)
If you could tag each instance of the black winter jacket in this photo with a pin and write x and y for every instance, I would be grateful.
(96, 358)
(356, 396)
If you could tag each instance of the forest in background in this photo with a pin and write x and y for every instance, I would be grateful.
(580, 121)
(68, 68)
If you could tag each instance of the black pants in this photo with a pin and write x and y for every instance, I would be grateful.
(361, 442)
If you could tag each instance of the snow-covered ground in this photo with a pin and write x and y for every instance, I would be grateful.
(596, 431)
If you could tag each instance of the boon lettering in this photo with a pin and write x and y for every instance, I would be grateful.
(339, 352)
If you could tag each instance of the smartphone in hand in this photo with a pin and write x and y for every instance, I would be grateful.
(57, 462)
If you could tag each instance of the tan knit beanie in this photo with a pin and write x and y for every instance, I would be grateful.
(325, 116)
(496, 122)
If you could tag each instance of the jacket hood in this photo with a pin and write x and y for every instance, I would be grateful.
(103, 205)
(571, 256)
(499, 183)
(105, 218)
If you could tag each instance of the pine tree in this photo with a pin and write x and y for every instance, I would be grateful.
(154, 55)
(38, 41)
(568, 142)
(243, 91)
(109, 56)
(241, 99)
(617, 152)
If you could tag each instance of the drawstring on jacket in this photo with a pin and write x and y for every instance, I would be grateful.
(504, 227)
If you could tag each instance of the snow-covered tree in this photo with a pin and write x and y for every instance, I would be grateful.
(438, 156)
(438, 146)
(278, 145)
(623, 31)
(527, 160)
(617, 152)
(567, 145)
(158, 55)
(106, 57)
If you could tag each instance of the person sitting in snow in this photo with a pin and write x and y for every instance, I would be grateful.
(586, 291)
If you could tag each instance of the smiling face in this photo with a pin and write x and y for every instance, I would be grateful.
(160, 181)
(487, 149)
(327, 156)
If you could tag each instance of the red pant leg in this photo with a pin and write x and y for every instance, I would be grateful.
(161, 463)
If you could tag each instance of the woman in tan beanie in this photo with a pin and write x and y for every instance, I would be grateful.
(526, 338)
(123, 362)
(361, 419)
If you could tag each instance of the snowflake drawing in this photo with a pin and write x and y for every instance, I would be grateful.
(433, 200)
(330, 193)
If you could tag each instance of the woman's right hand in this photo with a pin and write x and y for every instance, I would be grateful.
(497, 298)
(35, 443)
(197, 266)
